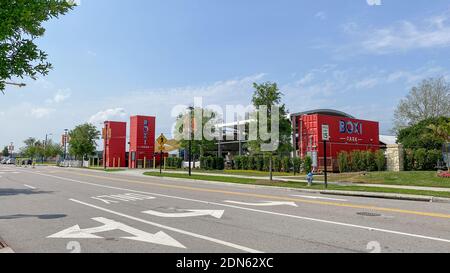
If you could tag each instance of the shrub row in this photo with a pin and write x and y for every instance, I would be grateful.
(359, 161)
(174, 162)
(279, 164)
(422, 159)
(212, 163)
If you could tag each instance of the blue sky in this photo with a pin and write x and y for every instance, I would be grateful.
(113, 59)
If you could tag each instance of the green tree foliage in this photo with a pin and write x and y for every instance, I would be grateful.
(5, 152)
(421, 135)
(201, 116)
(269, 95)
(33, 148)
(21, 23)
(82, 140)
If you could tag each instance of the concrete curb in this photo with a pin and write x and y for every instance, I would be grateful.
(394, 196)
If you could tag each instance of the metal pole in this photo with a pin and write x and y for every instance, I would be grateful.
(190, 140)
(325, 163)
(105, 148)
(160, 161)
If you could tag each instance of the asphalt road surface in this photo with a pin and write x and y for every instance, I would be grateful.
(48, 210)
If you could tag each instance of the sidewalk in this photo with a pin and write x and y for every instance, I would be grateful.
(140, 173)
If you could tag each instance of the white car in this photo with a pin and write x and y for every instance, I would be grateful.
(4, 161)
(10, 161)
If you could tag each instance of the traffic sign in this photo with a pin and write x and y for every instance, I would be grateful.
(325, 132)
(162, 140)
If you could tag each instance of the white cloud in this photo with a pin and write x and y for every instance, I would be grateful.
(102, 116)
(403, 36)
(321, 15)
(92, 53)
(39, 113)
(60, 96)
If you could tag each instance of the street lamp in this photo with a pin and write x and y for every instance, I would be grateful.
(191, 110)
(65, 143)
(16, 84)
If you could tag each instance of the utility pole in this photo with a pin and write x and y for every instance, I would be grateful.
(325, 138)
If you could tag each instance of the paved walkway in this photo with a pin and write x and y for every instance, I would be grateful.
(140, 173)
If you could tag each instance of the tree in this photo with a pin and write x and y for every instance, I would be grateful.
(421, 135)
(269, 95)
(201, 116)
(20, 25)
(83, 140)
(33, 148)
(52, 149)
(430, 99)
(5, 151)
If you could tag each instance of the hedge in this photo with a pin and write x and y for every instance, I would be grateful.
(212, 163)
(359, 161)
(421, 159)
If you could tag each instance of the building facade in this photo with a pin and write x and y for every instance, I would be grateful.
(347, 134)
(142, 141)
(115, 141)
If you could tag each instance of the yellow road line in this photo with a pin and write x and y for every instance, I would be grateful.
(273, 197)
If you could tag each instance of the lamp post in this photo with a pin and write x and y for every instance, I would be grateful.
(16, 84)
(65, 143)
(191, 110)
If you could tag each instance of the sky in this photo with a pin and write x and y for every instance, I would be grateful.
(113, 59)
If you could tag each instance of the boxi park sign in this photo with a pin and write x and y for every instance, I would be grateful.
(350, 127)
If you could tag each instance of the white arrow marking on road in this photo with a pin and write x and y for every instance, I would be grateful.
(76, 232)
(322, 198)
(30, 187)
(190, 213)
(264, 204)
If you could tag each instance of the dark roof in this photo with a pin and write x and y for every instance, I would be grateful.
(328, 112)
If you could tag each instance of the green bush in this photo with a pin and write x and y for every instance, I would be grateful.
(369, 161)
(276, 161)
(259, 163)
(238, 162)
(358, 162)
(244, 163)
(433, 156)
(251, 164)
(307, 166)
(420, 159)
(287, 164)
(220, 163)
(297, 164)
(266, 164)
(380, 161)
(409, 160)
(343, 162)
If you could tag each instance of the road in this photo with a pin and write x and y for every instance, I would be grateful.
(55, 210)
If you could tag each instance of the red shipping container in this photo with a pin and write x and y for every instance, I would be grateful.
(115, 139)
(346, 134)
(142, 141)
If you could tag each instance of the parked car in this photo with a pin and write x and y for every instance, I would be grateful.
(10, 161)
(4, 161)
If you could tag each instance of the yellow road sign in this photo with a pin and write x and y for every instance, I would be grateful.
(162, 140)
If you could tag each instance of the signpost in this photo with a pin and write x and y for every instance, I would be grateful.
(325, 138)
(162, 140)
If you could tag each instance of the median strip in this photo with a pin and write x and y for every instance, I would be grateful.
(379, 192)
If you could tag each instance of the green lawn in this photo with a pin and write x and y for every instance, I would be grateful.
(107, 170)
(298, 185)
(424, 179)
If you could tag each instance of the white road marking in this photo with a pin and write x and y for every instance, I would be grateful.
(198, 236)
(127, 197)
(76, 232)
(259, 211)
(264, 204)
(321, 198)
(30, 187)
(190, 213)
